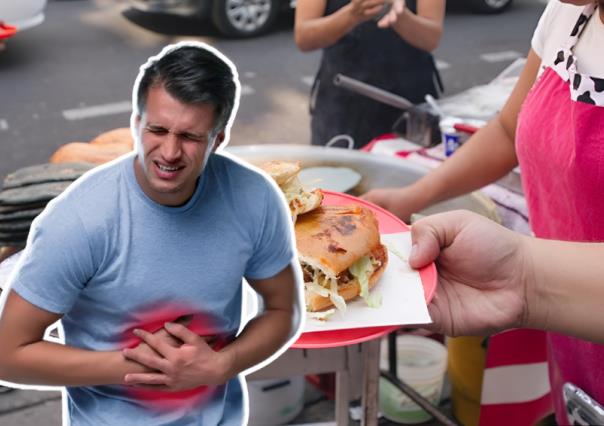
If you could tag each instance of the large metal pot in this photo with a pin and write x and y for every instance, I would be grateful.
(377, 171)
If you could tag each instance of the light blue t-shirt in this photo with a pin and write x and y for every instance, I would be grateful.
(111, 259)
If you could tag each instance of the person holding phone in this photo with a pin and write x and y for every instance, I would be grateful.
(385, 43)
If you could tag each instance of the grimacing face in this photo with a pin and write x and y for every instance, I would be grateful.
(174, 144)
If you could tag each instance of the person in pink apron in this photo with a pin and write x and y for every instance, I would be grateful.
(560, 147)
(553, 127)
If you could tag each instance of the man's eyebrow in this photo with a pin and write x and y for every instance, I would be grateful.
(193, 135)
(153, 126)
(189, 135)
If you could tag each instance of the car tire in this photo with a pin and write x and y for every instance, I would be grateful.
(490, 6)
(244, 18)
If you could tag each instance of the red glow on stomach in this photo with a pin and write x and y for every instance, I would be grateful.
(153, 321)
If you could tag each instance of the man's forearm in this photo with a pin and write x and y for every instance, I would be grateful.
(53, 364)
(260, 339)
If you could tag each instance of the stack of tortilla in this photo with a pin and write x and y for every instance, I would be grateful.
(25, 194)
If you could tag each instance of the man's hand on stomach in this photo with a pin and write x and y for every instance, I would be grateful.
(175, 359)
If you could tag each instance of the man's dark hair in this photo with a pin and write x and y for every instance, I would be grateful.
(193, 75)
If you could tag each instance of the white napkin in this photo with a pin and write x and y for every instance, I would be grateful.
(401, 290)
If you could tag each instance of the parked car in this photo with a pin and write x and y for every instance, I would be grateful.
(233, 18)
(488, 6)
(22, 14)
(248, 18)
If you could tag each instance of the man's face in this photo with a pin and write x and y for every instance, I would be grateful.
(175, 143)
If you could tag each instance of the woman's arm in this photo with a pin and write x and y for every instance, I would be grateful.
(484, 158)
(314, 31)
(423, 29)
(489, 154)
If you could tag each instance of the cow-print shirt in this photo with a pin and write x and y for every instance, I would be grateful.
(571, 40)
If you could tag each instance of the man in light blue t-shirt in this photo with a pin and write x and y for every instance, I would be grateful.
(143, 260)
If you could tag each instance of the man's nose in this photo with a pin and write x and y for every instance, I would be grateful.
(171, 148)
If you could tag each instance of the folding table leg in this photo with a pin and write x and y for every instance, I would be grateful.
(342, 397)
(371, 375)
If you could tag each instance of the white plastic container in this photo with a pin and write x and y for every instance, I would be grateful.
(421, 363)
(394, 146)
(275, 402)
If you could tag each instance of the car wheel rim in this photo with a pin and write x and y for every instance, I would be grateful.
(496, 4)
(248, 15)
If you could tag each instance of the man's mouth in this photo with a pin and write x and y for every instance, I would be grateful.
(168, 168)
(166, 171)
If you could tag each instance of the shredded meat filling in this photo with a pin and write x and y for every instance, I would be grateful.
(344, 277)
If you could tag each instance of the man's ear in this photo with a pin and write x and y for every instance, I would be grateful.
(219, 140)
(137, 122)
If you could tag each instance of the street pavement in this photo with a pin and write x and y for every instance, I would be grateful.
(71, 78)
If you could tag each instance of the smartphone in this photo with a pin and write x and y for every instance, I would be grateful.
(581, 409)
(384, 11)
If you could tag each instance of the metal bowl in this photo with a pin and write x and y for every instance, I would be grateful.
(377, 170)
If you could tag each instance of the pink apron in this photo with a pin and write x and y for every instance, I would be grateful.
(560, 147)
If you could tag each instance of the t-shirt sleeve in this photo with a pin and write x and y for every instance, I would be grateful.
(273, 246)
(57, 261)
(543, 28)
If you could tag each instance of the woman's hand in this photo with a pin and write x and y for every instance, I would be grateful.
(363, 10)
(402, 202)
(396, 11)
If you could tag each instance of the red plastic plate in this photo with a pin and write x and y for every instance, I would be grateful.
(7, 31)
(388, 224)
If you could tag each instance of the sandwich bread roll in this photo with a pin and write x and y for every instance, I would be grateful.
(340, 252)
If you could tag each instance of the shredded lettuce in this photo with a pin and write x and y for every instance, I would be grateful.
(316, 288)
(323, 315)
(337, 300)
(362, 270)
(325, 286)
(397, 253)
(328, 286)
(374, 300)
